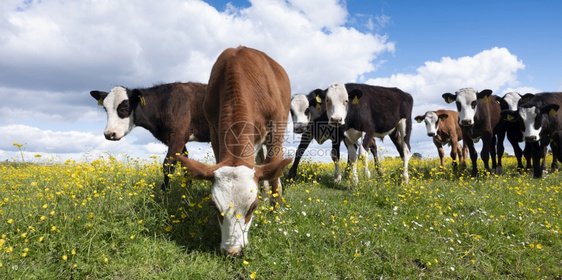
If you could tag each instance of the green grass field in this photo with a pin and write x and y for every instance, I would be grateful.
(106, 219)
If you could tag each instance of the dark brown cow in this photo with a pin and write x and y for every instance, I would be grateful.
(443, 127)
(479, 115)
(171, 112)
(247, 105)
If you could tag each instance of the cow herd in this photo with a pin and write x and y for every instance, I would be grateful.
(246, 105)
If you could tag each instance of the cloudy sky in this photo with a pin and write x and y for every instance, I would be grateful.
(53, 53)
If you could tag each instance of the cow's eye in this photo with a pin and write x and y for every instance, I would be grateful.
(459, 107)
(473, 104)
(345, 102)
(307, 111)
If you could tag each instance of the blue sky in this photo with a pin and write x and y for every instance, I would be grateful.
(55, 52)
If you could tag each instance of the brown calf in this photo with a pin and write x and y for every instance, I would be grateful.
(443, 127)
(247, 105)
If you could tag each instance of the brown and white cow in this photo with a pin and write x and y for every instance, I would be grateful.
(479, 115)
(171, 112)
(371, 111)
(443, 127)
(247, 105)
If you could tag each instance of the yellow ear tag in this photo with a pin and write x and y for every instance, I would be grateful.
(142, 101)
(486, 99)
(450, 100)
(355, 100)
(100, 102)
(317, 108)
(552, 112)
(510, 118)
(318, 99)
(418, 120)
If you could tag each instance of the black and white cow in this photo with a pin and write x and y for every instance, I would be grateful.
(375, 112)
(479, 115)
(510, 102)
(171, 112)
(540, 121)
(310, 120)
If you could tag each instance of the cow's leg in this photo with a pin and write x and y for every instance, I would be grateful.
(352, 158)
(364, 155)
(527, 153)
(399, 137)
(174, 148)
(335, 154)
(513, 139)
(464, 154)
(455, 151)
(544, 152)
(274, 144)
(260, 159)
(473, 156)
(500, 149)
(485, 153)
(441, 151)
(536, 152)
(305, 141)
(373, 148)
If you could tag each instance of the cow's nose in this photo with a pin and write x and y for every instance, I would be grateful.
(430, 134)
(109, 135)
(235, 252)
(337, 121)
(531, 138)
(466, 122)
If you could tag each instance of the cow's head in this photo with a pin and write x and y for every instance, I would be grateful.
(531, 119)
(307, 108)
(235, 196)
(467, 101)
(337, 103)
(510, 101)
(431, 120)
(118, 105)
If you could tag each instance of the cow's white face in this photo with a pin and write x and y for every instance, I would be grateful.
(530, 116)
(511, 99)
(466, 105)
(235, 196)
(119, 115)
(336, 104)
(431, 123)
(300, 113)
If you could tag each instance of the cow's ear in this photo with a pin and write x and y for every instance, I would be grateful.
(419, 118)
(316, 98)
(550, 109)
(272, 170)
(525, 98)
(137, 97)
(197, 169)
(99, 96)
(484, 95)
(508, 115)
(449, 97)
(354, 96)
(443, 116)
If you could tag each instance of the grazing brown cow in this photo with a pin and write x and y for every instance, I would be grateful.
(171, 112)
(443, 127)
(247, 105)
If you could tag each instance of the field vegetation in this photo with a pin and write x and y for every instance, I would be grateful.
(107, 219)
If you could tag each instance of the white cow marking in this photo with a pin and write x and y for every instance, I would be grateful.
(233, 192)
(116, 126)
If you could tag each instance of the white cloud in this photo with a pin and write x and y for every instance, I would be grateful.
(490, 69)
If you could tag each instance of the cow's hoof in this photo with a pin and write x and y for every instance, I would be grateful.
(337, 178)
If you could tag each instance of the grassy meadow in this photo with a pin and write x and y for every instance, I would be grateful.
(106, 219)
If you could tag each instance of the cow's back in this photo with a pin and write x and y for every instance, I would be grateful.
(382, 107)
(246, 85)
